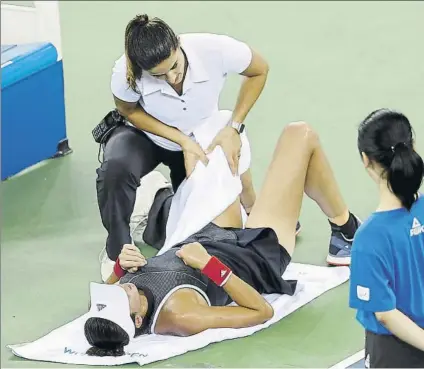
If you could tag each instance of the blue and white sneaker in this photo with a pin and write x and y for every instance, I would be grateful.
(340, 249)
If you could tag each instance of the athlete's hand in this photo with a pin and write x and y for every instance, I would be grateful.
(131, 258)
(192, 154)
(194, 255)
(229, 139)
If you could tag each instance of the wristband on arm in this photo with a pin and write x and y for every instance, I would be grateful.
(117, 269)
(217, 271)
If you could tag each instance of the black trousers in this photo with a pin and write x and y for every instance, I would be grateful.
(128, 156)
(387, 351)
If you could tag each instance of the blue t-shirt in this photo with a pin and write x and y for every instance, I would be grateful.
(387, 266)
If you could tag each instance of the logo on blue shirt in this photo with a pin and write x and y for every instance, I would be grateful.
(417, 228)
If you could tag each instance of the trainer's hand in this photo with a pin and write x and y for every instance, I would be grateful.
(131, 258)
(229, 139)
(194, 255)
(192, 154)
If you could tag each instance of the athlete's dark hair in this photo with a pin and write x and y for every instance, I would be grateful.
(386, 137)
(106, 337)
(148, 42)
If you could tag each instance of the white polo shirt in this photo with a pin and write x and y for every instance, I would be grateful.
(211, 58)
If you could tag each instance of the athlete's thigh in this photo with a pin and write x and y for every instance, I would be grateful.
(279, 201)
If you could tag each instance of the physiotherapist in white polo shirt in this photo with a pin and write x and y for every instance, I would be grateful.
(165, 86)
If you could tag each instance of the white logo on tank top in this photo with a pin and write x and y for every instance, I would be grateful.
(417, 228)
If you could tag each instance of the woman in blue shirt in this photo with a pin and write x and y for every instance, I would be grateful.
(387, 269)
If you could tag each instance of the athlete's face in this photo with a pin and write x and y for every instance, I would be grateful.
(134, 297)
(137, 301)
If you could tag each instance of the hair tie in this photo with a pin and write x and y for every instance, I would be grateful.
(396, 146)
(142, 19)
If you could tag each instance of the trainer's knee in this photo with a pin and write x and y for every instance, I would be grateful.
(115, 172)
(301, 132)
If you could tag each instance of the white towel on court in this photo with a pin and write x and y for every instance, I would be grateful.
(210, 189)
(67, 344)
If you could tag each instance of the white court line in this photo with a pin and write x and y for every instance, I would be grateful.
(350, 360)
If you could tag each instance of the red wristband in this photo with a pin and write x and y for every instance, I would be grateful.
(117, 269)
(217, 271)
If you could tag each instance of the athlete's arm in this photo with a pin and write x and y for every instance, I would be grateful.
(113, 278)
(129, 260)
(402, 327)
(252, 308)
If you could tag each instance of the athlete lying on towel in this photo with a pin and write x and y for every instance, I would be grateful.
(185, 290)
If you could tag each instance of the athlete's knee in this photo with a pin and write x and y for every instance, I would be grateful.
(301, 132)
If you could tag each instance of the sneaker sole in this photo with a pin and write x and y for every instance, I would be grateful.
(338, 261)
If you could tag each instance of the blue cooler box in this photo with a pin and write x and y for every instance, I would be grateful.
(33, 124)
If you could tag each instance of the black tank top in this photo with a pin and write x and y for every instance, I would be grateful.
(167, 273)
(163, 275)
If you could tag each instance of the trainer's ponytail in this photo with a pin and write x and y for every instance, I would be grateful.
(148, 42)
(386, 137)
(405, 174)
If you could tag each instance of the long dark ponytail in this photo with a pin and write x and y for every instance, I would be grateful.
(386, 137)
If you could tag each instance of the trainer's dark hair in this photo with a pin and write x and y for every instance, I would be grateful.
(148, 42)
(386, 137)
(106, 337)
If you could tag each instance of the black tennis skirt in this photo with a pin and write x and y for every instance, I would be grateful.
(254, 255)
